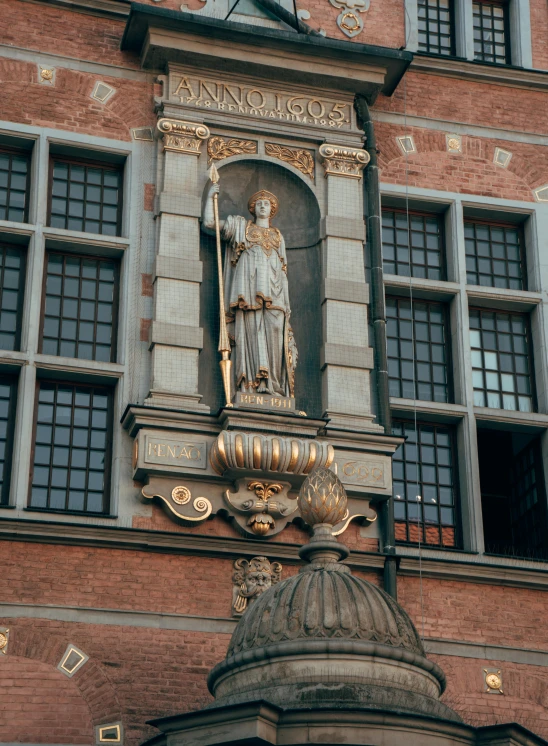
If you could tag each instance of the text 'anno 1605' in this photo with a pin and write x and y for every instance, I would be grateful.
(260, 102)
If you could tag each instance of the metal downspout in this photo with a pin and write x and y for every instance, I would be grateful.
(372, 217)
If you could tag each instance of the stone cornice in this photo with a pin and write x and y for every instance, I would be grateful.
(162, 37)
(452, 567)
(72, 534)
(514, 77)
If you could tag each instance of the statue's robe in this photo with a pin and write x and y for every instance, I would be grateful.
(257, 308)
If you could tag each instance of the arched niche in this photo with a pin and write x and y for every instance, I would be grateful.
(299, 220)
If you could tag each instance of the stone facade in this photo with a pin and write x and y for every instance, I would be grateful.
(144, 589)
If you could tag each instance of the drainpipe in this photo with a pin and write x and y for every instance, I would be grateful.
(372, 217)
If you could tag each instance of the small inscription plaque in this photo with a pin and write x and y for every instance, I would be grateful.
(265, 401)
(175, 452)
(366, 473)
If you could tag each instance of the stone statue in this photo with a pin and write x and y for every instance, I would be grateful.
(251, 579)
(257, 306)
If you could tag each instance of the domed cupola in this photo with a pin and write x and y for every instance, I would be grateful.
(327, 638)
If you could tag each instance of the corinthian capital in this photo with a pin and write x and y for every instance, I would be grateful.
(340, 161)
(182, 137)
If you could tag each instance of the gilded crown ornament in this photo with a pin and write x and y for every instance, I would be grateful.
(322, 498)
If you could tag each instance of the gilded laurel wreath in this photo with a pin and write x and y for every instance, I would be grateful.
(301, 159)
(219, 148)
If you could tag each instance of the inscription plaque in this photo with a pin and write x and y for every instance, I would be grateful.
(251, 100)
(265, 401)
(364, 473)
(175, 452)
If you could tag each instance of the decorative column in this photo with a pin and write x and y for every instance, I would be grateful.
(347, 357)
(176, 337)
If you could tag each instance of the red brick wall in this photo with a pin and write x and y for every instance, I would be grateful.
(39, 704)
(138, 673)
(524, 699)
(44, 28)
(457, 100)
(67, 105)
(494, 614)
(151, 673)
(469, 172)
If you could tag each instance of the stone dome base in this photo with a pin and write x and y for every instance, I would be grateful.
(335, 673)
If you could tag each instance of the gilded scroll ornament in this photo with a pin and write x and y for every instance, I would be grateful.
(218, 148)
(297, 157)
(251, 579)
(177, 497)
(341, 161)
(182, 137)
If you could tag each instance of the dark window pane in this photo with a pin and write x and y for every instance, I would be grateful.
(486, 16)
(14, 186)
(86, 198)
(425, 482)
(8, 394)
(494, 256)
(423, 230)
(70, 475)
(73, 310)
(426, 364)
(12, 281)
(436, 25)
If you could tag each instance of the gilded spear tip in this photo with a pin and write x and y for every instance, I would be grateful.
(213, 174)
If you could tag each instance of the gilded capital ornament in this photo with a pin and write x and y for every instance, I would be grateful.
(340, 161)
(182, 137)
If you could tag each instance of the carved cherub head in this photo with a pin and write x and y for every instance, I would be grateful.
(263, 204)
(251, 579)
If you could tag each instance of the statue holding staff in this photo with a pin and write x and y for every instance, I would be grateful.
(256, 297)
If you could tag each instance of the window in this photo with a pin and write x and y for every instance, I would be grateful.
(513, 495)
(8, 393)
(12, 282)
(424, 364)
(86, 197)
(80, 307)
(491, 32)
(72, 448)
(424, 466)
(494, 256)
(424, 232)
(14, 186)
(501, 360)
(436, 34)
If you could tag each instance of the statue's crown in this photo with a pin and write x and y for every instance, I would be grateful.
(264, 194)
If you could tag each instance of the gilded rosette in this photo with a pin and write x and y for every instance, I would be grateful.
(271, 453)
(322, 498)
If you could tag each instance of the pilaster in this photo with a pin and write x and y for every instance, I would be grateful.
(176, 337)
(346, 355)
